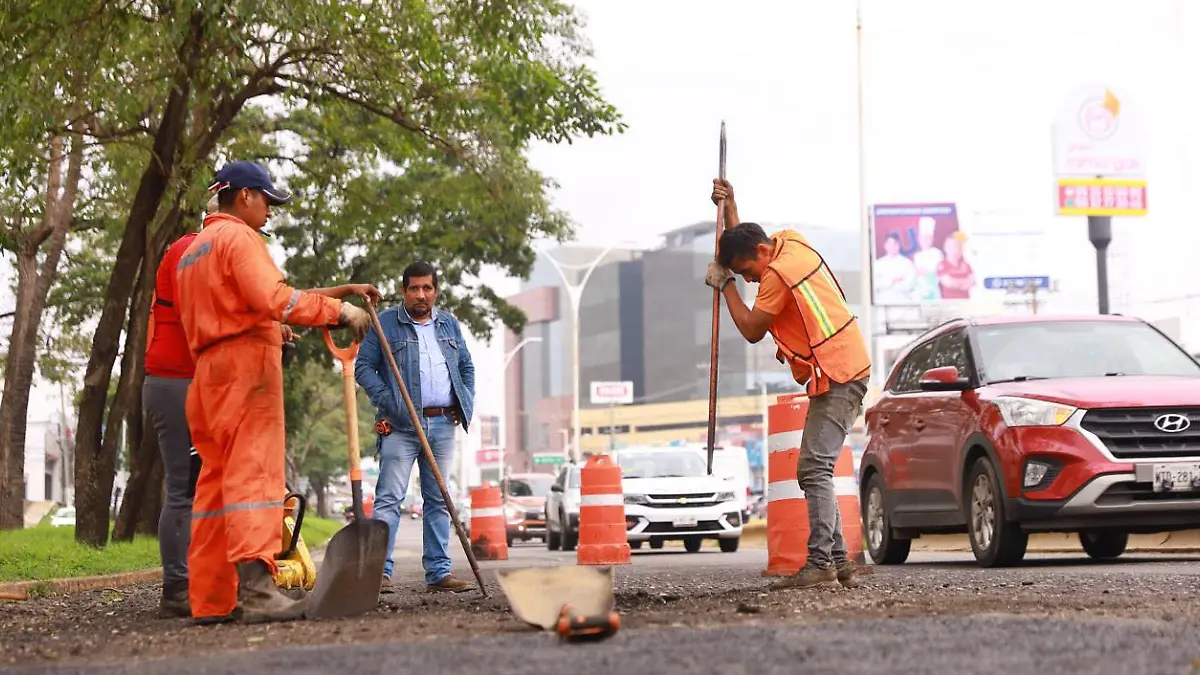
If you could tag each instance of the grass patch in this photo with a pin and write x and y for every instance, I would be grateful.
(44, 552)
(316, 531)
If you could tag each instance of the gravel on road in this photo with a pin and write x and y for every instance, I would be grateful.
(119, 625)
(981, 645)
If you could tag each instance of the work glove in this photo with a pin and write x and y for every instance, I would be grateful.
(357, 320)
(717, 276)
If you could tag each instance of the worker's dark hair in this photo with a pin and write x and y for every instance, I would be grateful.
(740, 241)
(419, 269)
(226, 197)
(893, 235)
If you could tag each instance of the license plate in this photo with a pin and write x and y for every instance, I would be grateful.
(684, 522)
(1176, 477)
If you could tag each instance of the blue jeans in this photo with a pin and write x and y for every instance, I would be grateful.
(398, 452)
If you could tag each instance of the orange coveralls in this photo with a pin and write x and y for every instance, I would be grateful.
(232, 299)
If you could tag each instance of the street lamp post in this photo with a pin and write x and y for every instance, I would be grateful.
(868, 245)
(504, 416)
(574, 293)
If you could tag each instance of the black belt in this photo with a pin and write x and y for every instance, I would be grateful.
(436, 412)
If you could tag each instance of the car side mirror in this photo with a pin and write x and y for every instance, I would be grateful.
(556, 488)
(946, 378)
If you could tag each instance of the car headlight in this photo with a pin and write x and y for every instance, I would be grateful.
(513, 513)
(636, 499)
(726, 497)
(1028, 412)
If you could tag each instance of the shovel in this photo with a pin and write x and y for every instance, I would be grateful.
(352, 574)
(429, 459)
(576, 601)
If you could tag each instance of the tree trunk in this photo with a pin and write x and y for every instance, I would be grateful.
(95, 451)
(95, 455)
(32, 288)
(144, 459)
(322, 500)
(152, 503)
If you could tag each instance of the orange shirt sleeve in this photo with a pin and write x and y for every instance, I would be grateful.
(773, 293)
(260, 284)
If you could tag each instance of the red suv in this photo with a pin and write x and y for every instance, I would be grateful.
(1003, 426)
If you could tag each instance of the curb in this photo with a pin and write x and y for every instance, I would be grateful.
(23, 590)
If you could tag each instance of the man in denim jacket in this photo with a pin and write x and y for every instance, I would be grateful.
(429, 349)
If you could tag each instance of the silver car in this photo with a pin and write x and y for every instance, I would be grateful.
(562, 510)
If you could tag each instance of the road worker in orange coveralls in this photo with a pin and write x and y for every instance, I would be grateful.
(233, 299)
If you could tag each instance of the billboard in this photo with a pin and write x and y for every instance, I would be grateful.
(920, 255)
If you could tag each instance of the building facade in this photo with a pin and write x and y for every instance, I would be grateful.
(645, 317)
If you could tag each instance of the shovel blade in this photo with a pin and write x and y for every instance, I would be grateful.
(538, 594)
(352, 573)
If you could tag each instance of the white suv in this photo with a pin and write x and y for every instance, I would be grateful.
(669, 495)
(562, 510)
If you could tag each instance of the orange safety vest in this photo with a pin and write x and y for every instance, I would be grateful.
(827, 344)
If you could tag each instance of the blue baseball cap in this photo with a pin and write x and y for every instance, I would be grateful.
(242, 174)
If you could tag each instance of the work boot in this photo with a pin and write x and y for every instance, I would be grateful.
(810, 575)
(174, 601)
(847, 574)
(387, 586)
(449, 583)
(261, 600)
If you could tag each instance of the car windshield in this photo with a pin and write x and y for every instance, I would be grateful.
(529, 487)
(1059, 349)
(660, 464)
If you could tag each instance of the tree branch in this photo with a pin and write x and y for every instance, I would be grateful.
(394, 116)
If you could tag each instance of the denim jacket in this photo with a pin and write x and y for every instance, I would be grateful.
(372, 371)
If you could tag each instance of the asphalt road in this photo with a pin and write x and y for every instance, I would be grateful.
(709, 613)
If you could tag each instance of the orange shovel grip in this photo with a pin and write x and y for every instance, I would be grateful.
(343, 354)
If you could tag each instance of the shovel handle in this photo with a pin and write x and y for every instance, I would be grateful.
(347, 355)
(429, 458)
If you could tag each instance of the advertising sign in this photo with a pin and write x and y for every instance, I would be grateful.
(1098, 133)
(920, 255)
(1101, 197)
(487, 456)
(607, 393)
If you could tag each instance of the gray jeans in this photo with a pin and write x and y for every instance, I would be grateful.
(830, 417)
(164, 402)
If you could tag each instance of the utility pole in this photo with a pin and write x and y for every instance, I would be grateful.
(1100, 234)
(867, 244)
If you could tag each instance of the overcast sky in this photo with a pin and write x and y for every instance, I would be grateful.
(959, 99)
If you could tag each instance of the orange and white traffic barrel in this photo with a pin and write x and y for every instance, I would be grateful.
(787, 510)
(488, 537)
(602, 528)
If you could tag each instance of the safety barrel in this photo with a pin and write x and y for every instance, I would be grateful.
(488, 538)
(787, 508)
(602, 539)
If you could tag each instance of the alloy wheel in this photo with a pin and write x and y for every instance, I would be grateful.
(875, 522)
(983, 512)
